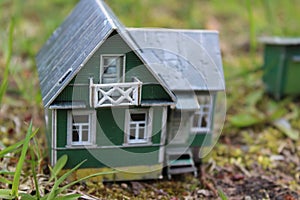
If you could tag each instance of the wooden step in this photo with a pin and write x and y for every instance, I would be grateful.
(180, 162)
(182, 170)
(178, 151)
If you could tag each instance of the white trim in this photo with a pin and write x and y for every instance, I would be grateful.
(119, 72)
(109, 147)
(161, 155)
(91, 131)
(202, 113)
(68, 105)
(148, 126)
(163, 135)
(158, 104)
(54, 137)
(164, 126)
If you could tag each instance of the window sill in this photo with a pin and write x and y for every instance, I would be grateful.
(137, 144)
(83, 146)
(200, 131)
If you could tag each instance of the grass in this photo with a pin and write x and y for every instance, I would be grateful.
(26, 26)
(3, 86)
(56, 192)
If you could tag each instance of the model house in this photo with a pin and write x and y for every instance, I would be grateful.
(131, 99)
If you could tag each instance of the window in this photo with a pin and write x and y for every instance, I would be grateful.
(138, 127)
(112, 67)
(201, 120)
(81, 129)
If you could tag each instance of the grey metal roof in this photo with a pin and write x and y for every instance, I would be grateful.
(71, 45)
(280, 40)
(184, 59)
(187, 101)
(179, 59)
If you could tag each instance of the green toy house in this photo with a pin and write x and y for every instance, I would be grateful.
(134, 100)
(281, 66)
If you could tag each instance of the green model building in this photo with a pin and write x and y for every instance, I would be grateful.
(281, 66)
(134, 100)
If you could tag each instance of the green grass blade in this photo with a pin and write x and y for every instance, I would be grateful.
(33, 165)
(4, 180)
(222, 195)
(62, 161)
(11, 148)
(84, 178)
(17, 176)
(25, 196)
(4, 172)
(38, 153)
(15, 146)
(54, 189)
(5, 194)
(68, 197)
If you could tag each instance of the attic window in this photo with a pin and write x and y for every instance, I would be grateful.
(112, 68)
(65, 76)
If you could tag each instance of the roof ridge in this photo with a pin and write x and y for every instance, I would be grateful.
(108, 17)
(170, 29)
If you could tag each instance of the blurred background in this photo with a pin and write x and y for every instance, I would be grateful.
(250, 139)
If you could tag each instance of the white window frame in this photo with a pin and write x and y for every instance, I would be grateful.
(91, 130)
(120, 69)
(204, 110)
(148, 127)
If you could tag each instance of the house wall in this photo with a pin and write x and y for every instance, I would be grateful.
(78, 88)
(273, 66)
(179, 129)
(110, 149)
(292, 70)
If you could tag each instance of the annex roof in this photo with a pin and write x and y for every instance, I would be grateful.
(184, 59)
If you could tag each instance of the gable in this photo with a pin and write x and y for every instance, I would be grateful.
(78, 88)
(74, 42)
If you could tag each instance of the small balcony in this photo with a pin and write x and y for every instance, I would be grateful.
(115, 94)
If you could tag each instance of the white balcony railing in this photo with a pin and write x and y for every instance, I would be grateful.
(115, 94)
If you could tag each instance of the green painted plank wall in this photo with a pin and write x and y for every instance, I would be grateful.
(199, 140)
(110, 125)
(115, 157)
(157, 124)
(273, 57)
(291, 79)
(61, 128)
